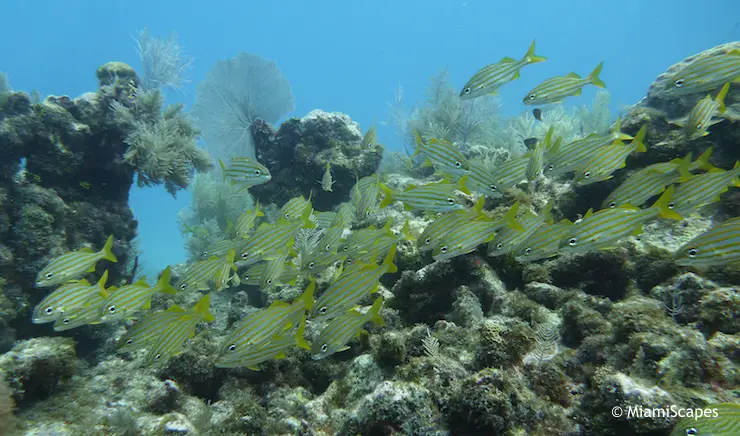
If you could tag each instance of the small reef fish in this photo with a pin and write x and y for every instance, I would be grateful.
(262, 325)
(437, 229)
(68, 296)
(89, 314)
(365, 195)
(369, 139)
(537, 156)
(544, 242)
(701, 163)
(537, 113)
(345, 216)
(173, 333)
(605, 160)
(324, 219)
(511, 172)
(719, 245)
(703, 189)
(443, 156)
(466, 239)
(699, 119)
(200, 275)
(507, 239)
(326, 181)
(253, 275)
(483, 180)
(246, 221)
(706, 74)
(270, 238)
(219, 248)
(352, 287)
(432, 197)
(726, 422)
(274, 270)
(493, 76)
(334, 337)
(273, 348)
(245, 171)
(558, 88)
(607, 227)
(72, 265)
(125, 301)
(639, 187)
(295, 208)
(146, 330)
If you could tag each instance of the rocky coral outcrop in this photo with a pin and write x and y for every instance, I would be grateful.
(297, 153)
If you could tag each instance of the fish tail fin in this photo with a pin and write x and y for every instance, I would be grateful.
(721, 97)
(163, 284)
(223, 168)
(306, 218)
(617, 132)
(103, 279)
(405, 232)
(299, 339)
(388, 199)
(390, 267)
(639, 140)
(419, 144)
(375, 312)
(478, 208)
(532, 58)
(201, 308)
(594, 76)
(461, 184)
(307, 296)
(547, 212)
(703, 160)
(106, 251)
(510, 217)
(662, 204)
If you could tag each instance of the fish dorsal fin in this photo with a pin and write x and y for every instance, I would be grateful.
(573, 76)
(507, 60)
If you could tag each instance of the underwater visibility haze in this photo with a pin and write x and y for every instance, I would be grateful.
(356, 218)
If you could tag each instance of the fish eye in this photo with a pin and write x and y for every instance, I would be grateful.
(246, 276)
(528, 251)
(157, 356)
(324, 348)
(205, 254)
(112, 309)
(613, 204)
(257, 172)
(245, 255)
(183, 286)
(493, 187)
(692, 252)
(311, 264)
(49, 275)
(499, 246)
(458, 164)
(671, 205)
(129, 342)
(427, 240)
(532, 96)
(287, 216)
(49, 310)
(65, 320)
(679, 83)
(327, 247)
(550, 167)
(450, 201)
(698, 126)
(572, 242)
(466, 91)
(232, 347)
(269, 281)
(692, 431)
(443, 249)
(587, 174)
(323, 310)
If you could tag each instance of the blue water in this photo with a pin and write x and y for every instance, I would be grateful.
(351, 56)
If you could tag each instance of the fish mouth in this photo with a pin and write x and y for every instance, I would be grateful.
(316, 357)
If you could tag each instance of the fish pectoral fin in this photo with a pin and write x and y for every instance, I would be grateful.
(91, 269)
(253, 368)
(280, 355)
(344, 348)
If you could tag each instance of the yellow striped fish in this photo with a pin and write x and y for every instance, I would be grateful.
(67, 296)
(699, 119)
(543, 243)
(365, 196)
(245, 222)
(537, 156)
(558, 88)
(245, 171)
(706, 74)
(493, 76)
(466, 239)
(345, 216)
(361, 240)
(605, 160)
(79, 316)
(201, 275)
(129, 299)
(219, 248)
(273, 348)
(435, 231)
(270, 238)
(443, 156)
(172, 335)
(511, 173)
(72, 265)
(330, 240)
(639, 187)
(702, 162)
(145, 331)
(703, 189)
(719, 245)
(722, 419)
(507, 239)
(369, 139)
(326, 180)
(324, 219)
(607, 227)
(260, 326)
(295, 208)
(274, 270)
(432, 197)
(334, 337)
(482, 180)
(253, 275)
(352, 287)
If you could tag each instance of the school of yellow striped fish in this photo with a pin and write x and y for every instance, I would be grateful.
(304, 246)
